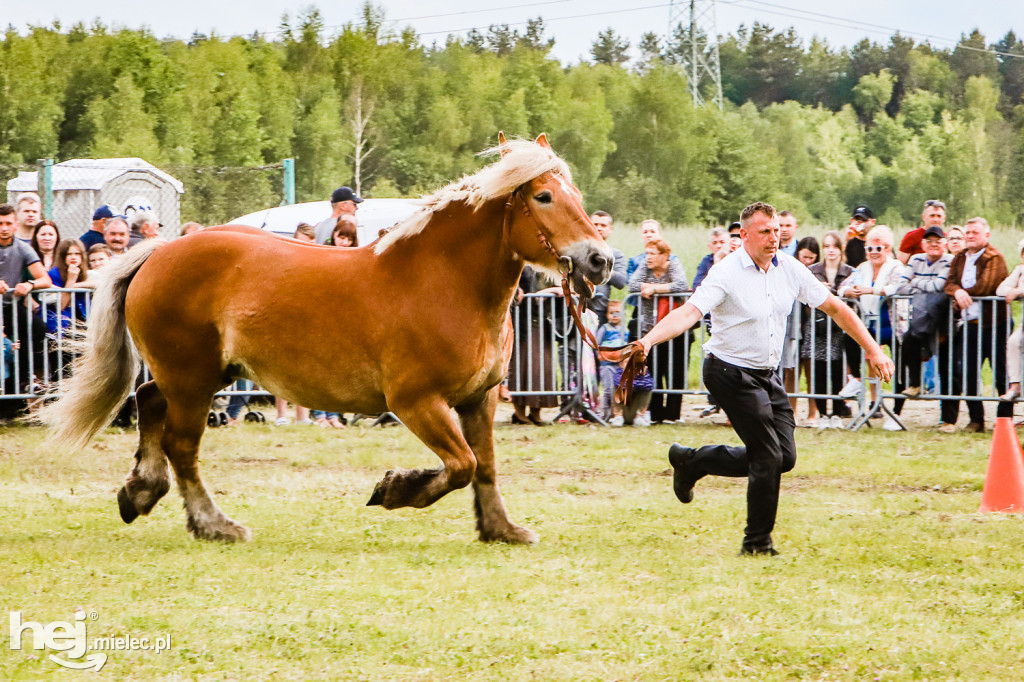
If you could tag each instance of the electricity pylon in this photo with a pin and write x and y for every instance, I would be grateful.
(692, 22)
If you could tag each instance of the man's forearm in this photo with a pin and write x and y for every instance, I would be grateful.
(673, 324)
(849, 323)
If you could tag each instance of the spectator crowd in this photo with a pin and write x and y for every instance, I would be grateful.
(930, 297)
(937, 298)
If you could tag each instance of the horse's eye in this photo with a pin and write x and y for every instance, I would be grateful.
(543, 197)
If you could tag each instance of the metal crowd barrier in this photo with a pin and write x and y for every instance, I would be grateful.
(548, 355)
(960, 348)
(39, 346)
(549, 359)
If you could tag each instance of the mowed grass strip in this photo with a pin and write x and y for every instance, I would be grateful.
(887, 570)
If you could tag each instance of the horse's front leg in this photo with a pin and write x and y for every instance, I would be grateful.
(492, 520)
(431, 420)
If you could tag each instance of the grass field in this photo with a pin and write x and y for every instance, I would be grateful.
(887, 572)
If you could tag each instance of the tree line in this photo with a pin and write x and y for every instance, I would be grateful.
(806, 126)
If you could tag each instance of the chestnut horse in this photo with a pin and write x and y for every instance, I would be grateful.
(419, 315)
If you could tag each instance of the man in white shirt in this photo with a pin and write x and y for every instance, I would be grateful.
(749, 295)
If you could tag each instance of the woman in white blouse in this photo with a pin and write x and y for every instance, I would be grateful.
(871, 282)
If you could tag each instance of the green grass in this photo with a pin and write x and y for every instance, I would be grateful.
(887, 570)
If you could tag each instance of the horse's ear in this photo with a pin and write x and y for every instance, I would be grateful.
(542, 140)
(501, 143)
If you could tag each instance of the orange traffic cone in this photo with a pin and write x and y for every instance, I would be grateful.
(1004, 479)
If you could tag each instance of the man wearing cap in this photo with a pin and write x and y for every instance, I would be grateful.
(95, 234)
(143, 225)
(750, 294)
(933, 215)
(861, 222)
(343, 201)
(734, 242)
(925, 280)
(28, 214)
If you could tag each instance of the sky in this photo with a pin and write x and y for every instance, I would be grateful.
(573, 23)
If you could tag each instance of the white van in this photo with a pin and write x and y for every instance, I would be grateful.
(372, 216)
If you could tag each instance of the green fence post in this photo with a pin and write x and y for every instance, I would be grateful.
(45, 187)
(289, 182)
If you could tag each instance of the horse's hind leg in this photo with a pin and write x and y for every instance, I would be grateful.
(149, 479)
(492, 520)
(183, 429)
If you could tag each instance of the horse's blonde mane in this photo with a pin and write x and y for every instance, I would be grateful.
(523, 161)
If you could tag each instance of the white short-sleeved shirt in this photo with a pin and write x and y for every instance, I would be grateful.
(749, 306)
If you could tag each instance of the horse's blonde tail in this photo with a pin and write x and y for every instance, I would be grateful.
(103, 374)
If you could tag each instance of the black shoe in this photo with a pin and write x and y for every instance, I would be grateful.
(749, 551)
(683, 478)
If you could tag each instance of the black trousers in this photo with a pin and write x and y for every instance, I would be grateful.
(974, 343)
(826, 371)
(757, 405)
(668, 368)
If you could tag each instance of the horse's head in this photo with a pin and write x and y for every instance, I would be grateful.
(548, 227)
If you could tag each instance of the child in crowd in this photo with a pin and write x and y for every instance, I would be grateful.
(7, 364)
(70, 271)
(635, 411)
(611, 333)
(345, 233)
(99, 256)
(305, 233)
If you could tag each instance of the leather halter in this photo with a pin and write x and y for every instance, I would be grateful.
(632, 352)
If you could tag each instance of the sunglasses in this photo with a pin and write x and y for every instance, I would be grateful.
(874, 249)
(936, 203)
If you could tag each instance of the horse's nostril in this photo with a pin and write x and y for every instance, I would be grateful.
(598, 261)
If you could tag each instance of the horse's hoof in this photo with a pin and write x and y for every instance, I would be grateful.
(127, 508)
(223, 530)
(377, 497)
(513, 535)
(380, 490)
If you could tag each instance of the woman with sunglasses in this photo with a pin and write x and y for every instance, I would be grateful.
(871, 282)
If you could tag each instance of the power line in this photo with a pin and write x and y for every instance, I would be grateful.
(546, 21)
(477, 11)
(843, 22)
(789, 12)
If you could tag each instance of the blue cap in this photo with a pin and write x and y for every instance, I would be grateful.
(103, 212)
(345, 194)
